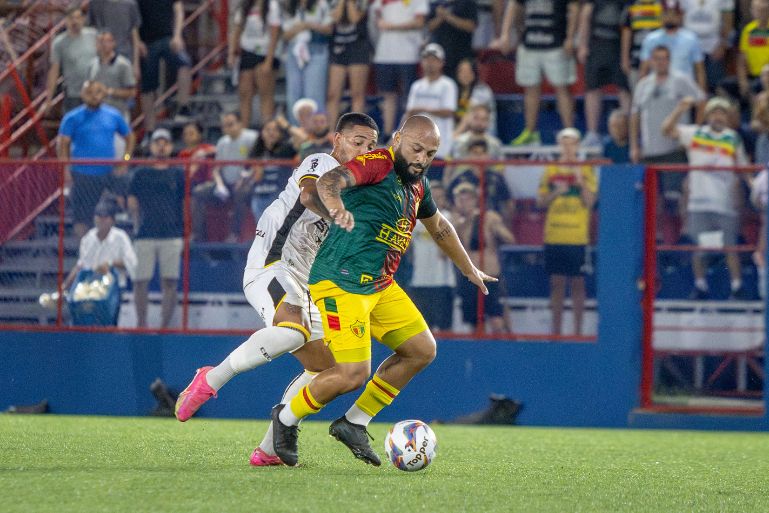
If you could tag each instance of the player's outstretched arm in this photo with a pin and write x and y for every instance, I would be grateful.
(445, 236)
(330, 187)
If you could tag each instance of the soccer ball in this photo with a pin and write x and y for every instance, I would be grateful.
(410, 445)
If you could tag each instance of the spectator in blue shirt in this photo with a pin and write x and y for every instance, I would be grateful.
(685, 53)
(616, 147)
(88, 132)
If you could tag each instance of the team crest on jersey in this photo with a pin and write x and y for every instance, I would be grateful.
(358, 329)
(403, 225)
(363, 159)
(365, 278)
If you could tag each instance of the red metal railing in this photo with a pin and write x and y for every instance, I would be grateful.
(34, 204)
(53, 170)
(651, 287)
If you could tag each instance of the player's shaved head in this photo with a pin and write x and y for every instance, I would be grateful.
(421, 125)
(415, 146)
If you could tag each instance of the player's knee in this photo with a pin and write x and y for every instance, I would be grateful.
(352, 377)
(424, 352)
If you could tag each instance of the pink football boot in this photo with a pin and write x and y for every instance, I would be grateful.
(194, 396)
(259, 458)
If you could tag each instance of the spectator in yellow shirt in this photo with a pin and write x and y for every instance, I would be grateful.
(568, 193)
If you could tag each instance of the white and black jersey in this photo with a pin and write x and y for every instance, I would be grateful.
(287, 231)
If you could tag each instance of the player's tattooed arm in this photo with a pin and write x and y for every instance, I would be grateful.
(445, 236)
(330, 187)
(310, 198)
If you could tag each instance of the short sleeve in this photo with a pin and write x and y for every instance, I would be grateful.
(67, 126)
(56, 50)
(127, 72)
(544, 182)
(645, 51)
(450, 94)
(314, 166)
(686, 133)
(427, 207)
(744, 37)
(122, 127)
(696, 51)
(371, 167)
(588, 174)
(134, 188)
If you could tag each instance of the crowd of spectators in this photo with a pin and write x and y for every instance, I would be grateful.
(650, 57)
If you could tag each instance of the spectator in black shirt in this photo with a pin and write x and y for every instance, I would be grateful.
(156, 203)
(451, 24)
(161, 38)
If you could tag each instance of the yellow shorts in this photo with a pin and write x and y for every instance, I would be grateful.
(350, 320)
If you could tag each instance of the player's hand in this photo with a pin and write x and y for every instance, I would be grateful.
(343, 218)
(478, 278)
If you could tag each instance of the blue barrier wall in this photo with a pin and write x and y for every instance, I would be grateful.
(560, 384)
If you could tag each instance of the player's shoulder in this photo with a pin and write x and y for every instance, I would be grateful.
(317, 163)
(379, 155)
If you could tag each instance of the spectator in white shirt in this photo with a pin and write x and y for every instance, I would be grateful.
(104, 247)
(435, 95)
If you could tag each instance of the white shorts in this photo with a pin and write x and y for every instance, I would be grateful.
(265, 288)
(559, 68)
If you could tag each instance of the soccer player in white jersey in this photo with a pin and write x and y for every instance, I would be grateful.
(288, 236)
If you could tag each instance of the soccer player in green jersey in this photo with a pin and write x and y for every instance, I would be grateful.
(375, 201)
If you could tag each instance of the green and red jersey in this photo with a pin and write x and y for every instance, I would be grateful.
(364, 260)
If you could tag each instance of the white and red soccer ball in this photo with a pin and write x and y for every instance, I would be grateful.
(410, 445)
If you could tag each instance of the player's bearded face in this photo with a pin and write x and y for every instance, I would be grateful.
(408, 173)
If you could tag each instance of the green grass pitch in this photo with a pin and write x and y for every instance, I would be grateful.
(84, 464)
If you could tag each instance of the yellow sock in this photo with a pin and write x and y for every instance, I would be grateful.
(377, 395)
(304, 403)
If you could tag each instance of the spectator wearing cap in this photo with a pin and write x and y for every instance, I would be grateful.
(451, 24)
(753, 48)
(435, 95)
(711, 197)
(400, 24)
(71, 56)
(156, 204)
(546, 47)
(685, 52)
(88, 132)
(105, 247)
(230, 180)
(568, 192)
